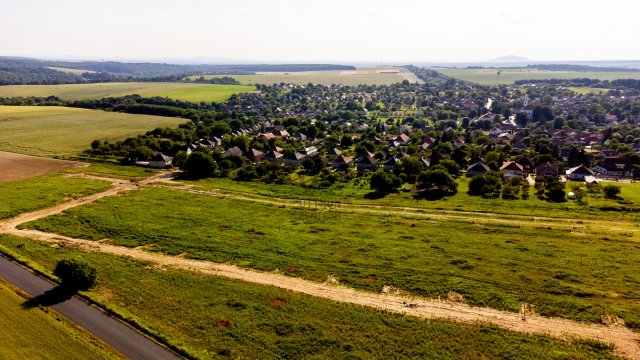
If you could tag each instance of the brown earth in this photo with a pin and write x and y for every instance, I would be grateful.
(18, 166)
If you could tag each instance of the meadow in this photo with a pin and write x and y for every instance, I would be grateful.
(177, 91)
(369, 76)
(509, 76)
(39, 192)
(358, 192)
(40, 333)
(61, 131)
(578, 272)
(211, 317)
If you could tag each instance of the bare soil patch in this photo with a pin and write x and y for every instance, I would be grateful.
(17, 166)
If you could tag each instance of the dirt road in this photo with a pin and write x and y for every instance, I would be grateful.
(627, 342)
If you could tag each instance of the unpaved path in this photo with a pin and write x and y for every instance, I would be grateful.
(627, 342)
(458, 215)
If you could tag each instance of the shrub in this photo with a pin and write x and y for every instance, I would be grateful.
(611, 191)
(76, 274)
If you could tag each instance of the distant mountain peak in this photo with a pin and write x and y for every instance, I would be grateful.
(510, 59)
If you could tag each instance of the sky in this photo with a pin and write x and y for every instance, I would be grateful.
(347, 31)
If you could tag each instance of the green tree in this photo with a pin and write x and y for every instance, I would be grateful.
(383, 182)
(437, 180)
(200, 165)
(75, 274)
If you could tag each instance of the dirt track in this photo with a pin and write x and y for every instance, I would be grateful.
(627, 342)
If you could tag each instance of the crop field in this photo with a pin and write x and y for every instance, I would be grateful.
(178, 91)
(369, 76)
(71, 71)
(42, 334)
(18, 166)
(38, 192)
(588, 90)
(60, 131)
(577, 272)
(509, 76)
(212, 317)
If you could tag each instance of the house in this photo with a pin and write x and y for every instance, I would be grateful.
(512, 169)
(309, 151)
(266, 136)
(342, 163)
(281, 133)
(390, 164)
(160, 161)
(234, 151)
(458, 143)
(547, 169)
(477, 169)
(274, 156)
(294, 158)
(366, 163)
(526, 163)
(528, 111)
(615, 166)
(425, 163)
(254, 155)
(580, 173)
(333, 153)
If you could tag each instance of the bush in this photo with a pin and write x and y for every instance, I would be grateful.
(76, 274)
(200, 165)
(384, 183)
(611, 191)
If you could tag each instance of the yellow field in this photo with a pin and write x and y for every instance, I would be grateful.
(369, 76)
(59, 131)
(42, 334)
(179, 91)
(71, 71)
(509, 76)
(588, 90)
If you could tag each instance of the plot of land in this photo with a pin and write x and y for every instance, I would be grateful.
(59, 131)
(497, 265)
(71, 71)
(40, 334)
(368, 76)
(178, 91)
(508, 76)
(18, 166)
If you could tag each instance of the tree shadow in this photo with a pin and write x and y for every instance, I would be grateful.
(374, 195)
(51, 297)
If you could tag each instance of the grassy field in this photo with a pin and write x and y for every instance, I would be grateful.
(357, 191)
(369, 76)
(508, 76)
(574, 273)
(31, 194)
(179, 91)
(214, 317)
(588, 90)
(60, 131)
(42, 334)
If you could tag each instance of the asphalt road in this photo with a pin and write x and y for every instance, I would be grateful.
(118, 335)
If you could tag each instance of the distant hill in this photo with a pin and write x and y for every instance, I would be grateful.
(510, 59)
(28, 71)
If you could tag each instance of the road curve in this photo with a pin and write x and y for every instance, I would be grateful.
(119, 336)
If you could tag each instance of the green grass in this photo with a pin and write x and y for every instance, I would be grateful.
(178, 91)
(192, 310)
(356, 191)
(39, 192)
(61, 131)
(369, 76)
(509, 76)
(588, 90)
(39, 333)
(581, 274)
